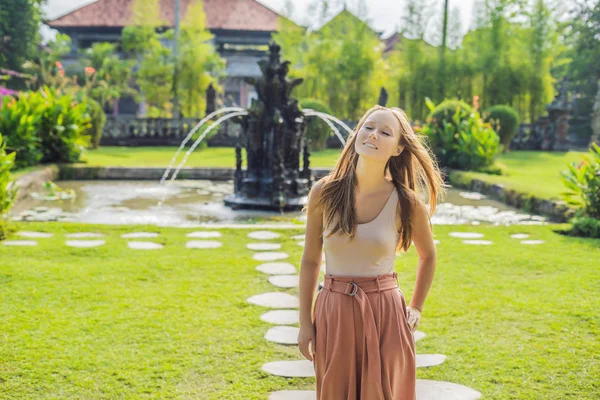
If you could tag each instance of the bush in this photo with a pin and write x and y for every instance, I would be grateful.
(19, 122)
(98, 120)
(466, 142)
(317, 130)
(583, 183)
(586, 226)
(444, 112)
(8, 190)
(505, 121)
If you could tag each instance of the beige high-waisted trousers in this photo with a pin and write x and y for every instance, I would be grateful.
(365, 348)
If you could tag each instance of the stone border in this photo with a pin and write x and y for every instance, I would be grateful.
(557, 211)
(33, 181)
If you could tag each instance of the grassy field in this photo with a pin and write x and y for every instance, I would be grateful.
(516, 321)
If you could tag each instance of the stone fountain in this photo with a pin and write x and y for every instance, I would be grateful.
(273, 136)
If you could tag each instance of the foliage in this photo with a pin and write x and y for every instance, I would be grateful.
(505, 121)
(466, 142)
(19, 31)
(45, 67)
(7, 189)
(317, 131)
(98, 119)
(583, 183)
(20, 121)
(444, 112)
(586, 226)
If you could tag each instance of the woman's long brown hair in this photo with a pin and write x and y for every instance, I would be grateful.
(413, 170)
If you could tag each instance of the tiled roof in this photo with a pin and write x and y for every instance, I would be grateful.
(247, 15)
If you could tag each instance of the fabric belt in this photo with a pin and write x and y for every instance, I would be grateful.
(358, 290)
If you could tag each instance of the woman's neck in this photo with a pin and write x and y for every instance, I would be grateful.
(370, 176)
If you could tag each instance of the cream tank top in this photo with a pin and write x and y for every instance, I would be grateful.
(371, 252)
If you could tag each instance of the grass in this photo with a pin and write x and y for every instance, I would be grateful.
(223, 157)
(533, 172)
(111, 322)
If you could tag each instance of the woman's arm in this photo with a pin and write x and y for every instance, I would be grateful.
(423, 239)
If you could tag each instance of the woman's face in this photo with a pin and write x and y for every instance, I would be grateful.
(379, 136)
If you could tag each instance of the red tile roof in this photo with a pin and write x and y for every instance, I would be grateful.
(220, 14)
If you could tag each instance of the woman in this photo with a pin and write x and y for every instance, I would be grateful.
(363, 213)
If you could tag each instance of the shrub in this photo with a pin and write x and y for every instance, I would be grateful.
(505, 121)
(8, 190)
(586, 226)
(19, 122)
(466, 142)
(583, 184)
(98, 119)
(444, 112)
(317, 130)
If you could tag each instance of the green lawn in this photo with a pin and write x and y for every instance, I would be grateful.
(161, 157)
(532, 172)
(516, 321)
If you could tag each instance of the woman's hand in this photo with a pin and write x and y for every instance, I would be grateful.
(414, 316)
(306, 336)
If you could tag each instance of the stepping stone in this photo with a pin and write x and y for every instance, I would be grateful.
(285, 281)
(293, 395)
(35, 235)
(275, 300)
(263, 246)
(466, 235)
(436, 390)
(137, 235)
(299, 237)
(290, 369)
(429, 360)
(203, 244)
(144, 245)
(532, 242)
(84, 235)
(478, 242)
(281, 317)
(277, 268)
(19, 243)
(471, 195)
(85, 243)
(204, 234)
(519, 236)
(272, 256)
(436, 242)
(263, 235)
(301, 244)
(283, 334)
(418, 335)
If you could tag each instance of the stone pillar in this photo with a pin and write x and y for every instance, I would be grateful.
(596, 118)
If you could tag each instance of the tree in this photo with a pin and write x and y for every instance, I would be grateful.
(19, 31)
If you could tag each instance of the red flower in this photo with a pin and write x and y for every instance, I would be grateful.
(89, 71)
(58, 65)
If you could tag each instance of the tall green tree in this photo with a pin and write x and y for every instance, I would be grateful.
(19, 31)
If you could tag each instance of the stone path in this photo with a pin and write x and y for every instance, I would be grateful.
(144, 245)
(263, 246)
(203, 244)
(19, 243)
(285, 332)
(85, 243)
(35, 235)
(271, 256)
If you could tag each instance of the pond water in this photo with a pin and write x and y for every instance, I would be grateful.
(191, 203)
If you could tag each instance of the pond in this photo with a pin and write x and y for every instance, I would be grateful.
(191, 203)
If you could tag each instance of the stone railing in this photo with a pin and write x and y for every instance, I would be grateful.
(132, 131)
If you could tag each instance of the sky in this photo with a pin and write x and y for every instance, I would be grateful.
(383, 15)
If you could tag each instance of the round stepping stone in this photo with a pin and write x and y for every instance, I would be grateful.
(203, 244)
(281, 317)
(19, 243)
(418, 335)
(144, 245)
(263, 246)
(435, 390)
(35, 235)
(277, 268)
(293, 395)
(429, 360)
(204, 234)
(519, 236)
(84, 235)
(478, 242)
(85, 243)
(301, 244)
(283, 334)
(299, 237)
(272, 256)
(532, 242)
(285, 281)
(263, 235)
(436, 242)
(466, 235)
(290, 369)
(275, 300)
(137, 235)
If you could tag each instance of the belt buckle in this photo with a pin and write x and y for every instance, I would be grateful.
(354, 290)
